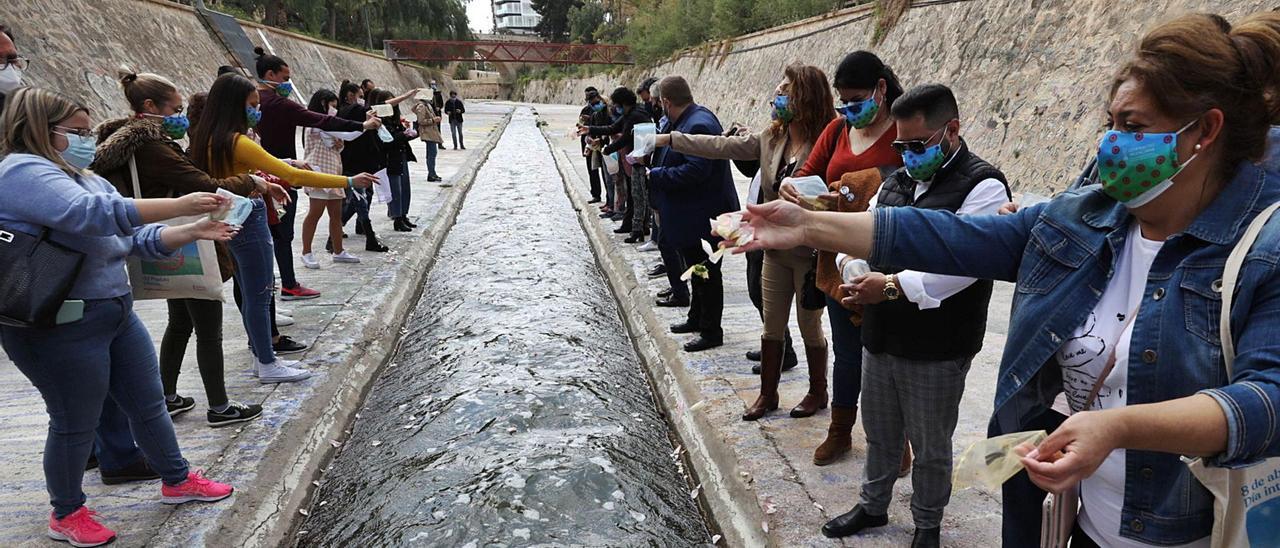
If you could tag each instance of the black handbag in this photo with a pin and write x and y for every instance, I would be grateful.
(36, 275)
(813, 298)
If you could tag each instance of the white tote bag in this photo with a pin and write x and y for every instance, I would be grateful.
(1246, 501)
(191, 274)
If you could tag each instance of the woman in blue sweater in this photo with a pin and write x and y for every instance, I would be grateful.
(47, 144)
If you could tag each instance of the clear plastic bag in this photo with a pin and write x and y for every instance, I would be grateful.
(991, 462)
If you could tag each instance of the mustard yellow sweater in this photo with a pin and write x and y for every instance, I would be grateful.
(248, 156)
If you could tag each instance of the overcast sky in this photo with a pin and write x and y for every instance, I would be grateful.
(480, 15)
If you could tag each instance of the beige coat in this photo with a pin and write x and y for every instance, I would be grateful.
(762, 146)
(428, 123)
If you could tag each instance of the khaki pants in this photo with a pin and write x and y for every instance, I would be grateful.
(782, 282)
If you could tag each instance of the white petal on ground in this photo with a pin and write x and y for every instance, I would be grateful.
(522, 534)
(716, 539)
(619, 495)
(638, 516)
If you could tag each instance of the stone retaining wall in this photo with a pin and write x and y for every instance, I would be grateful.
(1031, 75)
(76, 47)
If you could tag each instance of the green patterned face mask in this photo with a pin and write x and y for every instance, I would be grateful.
(1135, 168)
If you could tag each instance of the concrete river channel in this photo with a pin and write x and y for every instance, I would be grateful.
(515, 412)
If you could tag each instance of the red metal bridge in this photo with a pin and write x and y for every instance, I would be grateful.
(506, 52)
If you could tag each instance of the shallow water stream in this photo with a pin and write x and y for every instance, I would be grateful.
(515, 411)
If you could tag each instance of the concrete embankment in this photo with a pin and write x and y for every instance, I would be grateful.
(352, 328)
(1031, 77)
(758, 479)
(77, 46)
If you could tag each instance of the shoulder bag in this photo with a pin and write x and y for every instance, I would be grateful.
(1246, 501)
(36, 275)
(191, 274)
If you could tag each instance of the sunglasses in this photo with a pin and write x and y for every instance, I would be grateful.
(916, 146)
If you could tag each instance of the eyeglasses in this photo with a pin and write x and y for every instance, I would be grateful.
(83, 132)
(20, 62)
(916, 146)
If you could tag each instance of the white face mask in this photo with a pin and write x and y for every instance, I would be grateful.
(10, 79)
(333, 111)
(360, 101)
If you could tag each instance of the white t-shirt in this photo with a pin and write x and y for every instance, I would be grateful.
(1083, 357)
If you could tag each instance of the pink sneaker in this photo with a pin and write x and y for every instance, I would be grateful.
(197, 487)
(81, 529)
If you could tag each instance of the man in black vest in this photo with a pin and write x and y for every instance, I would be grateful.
(920, 331)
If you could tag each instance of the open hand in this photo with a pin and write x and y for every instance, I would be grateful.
(777, 225)
(363, 180)
(199, 203)
(1073, 452)
(209, 229)
(583, 130)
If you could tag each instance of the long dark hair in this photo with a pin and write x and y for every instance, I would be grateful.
(213, 141)
(345, 90)
(320, 99)
(863, 70)
(380, 96)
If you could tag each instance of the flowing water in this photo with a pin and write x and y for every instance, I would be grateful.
(515, 412)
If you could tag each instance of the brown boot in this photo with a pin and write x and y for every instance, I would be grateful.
(839, 435)
(816, 399)
(770, 373)
(905, 467)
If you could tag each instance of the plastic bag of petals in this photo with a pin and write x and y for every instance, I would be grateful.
(992, 461)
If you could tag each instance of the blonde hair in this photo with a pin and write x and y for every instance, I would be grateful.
(138, 87)
(28, 119)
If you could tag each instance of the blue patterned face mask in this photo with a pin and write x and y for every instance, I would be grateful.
(253, 115)
(782, 108)
(922, 162)
(283, 89)
(174, 125)
(860, 114)
(1134, 168)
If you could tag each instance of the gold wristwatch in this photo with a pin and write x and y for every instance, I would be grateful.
(891, 291)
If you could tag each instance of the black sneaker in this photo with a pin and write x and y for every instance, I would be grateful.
(658, 271)
(180, 405)
(236, 412)
(138, 471)
(287, 346)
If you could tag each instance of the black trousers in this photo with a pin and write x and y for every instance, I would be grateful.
(282, 239)
(707, 303)
(594, 174)
(205, 319)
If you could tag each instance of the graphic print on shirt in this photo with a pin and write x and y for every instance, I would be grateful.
(1075, 355)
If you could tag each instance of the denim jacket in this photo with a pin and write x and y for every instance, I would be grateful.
(1061, 254)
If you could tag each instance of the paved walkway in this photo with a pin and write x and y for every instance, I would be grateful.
(351, 328)
(771, 459)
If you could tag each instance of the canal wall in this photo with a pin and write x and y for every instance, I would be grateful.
(77, 46)
(1031, 75)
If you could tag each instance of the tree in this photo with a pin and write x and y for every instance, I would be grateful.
(554, 26)
(584, 21)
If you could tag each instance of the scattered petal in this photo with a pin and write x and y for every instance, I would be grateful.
(716, 539)
(335, 443)
(764, 525)
(304, 512)
(375, 443)
(638, 516)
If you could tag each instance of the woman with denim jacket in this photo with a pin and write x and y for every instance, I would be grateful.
(1133, 263)
(103, 350)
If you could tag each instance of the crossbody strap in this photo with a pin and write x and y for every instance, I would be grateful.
(1231, 274)
(133, 175)
(1111, 360)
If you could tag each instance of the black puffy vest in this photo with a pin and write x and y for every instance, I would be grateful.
(955, 329)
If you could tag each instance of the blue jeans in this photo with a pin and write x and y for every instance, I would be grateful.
(76, 367)
(433, 148)
(113, 441)
(399, 204)
(846, 341)
(253, 252)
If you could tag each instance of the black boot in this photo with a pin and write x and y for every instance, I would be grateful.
(635, 238)
(753, 356)
(399, 225)
(927, 538)
(408, 223)
(852, 523)
(371, 242)
(789, 359)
